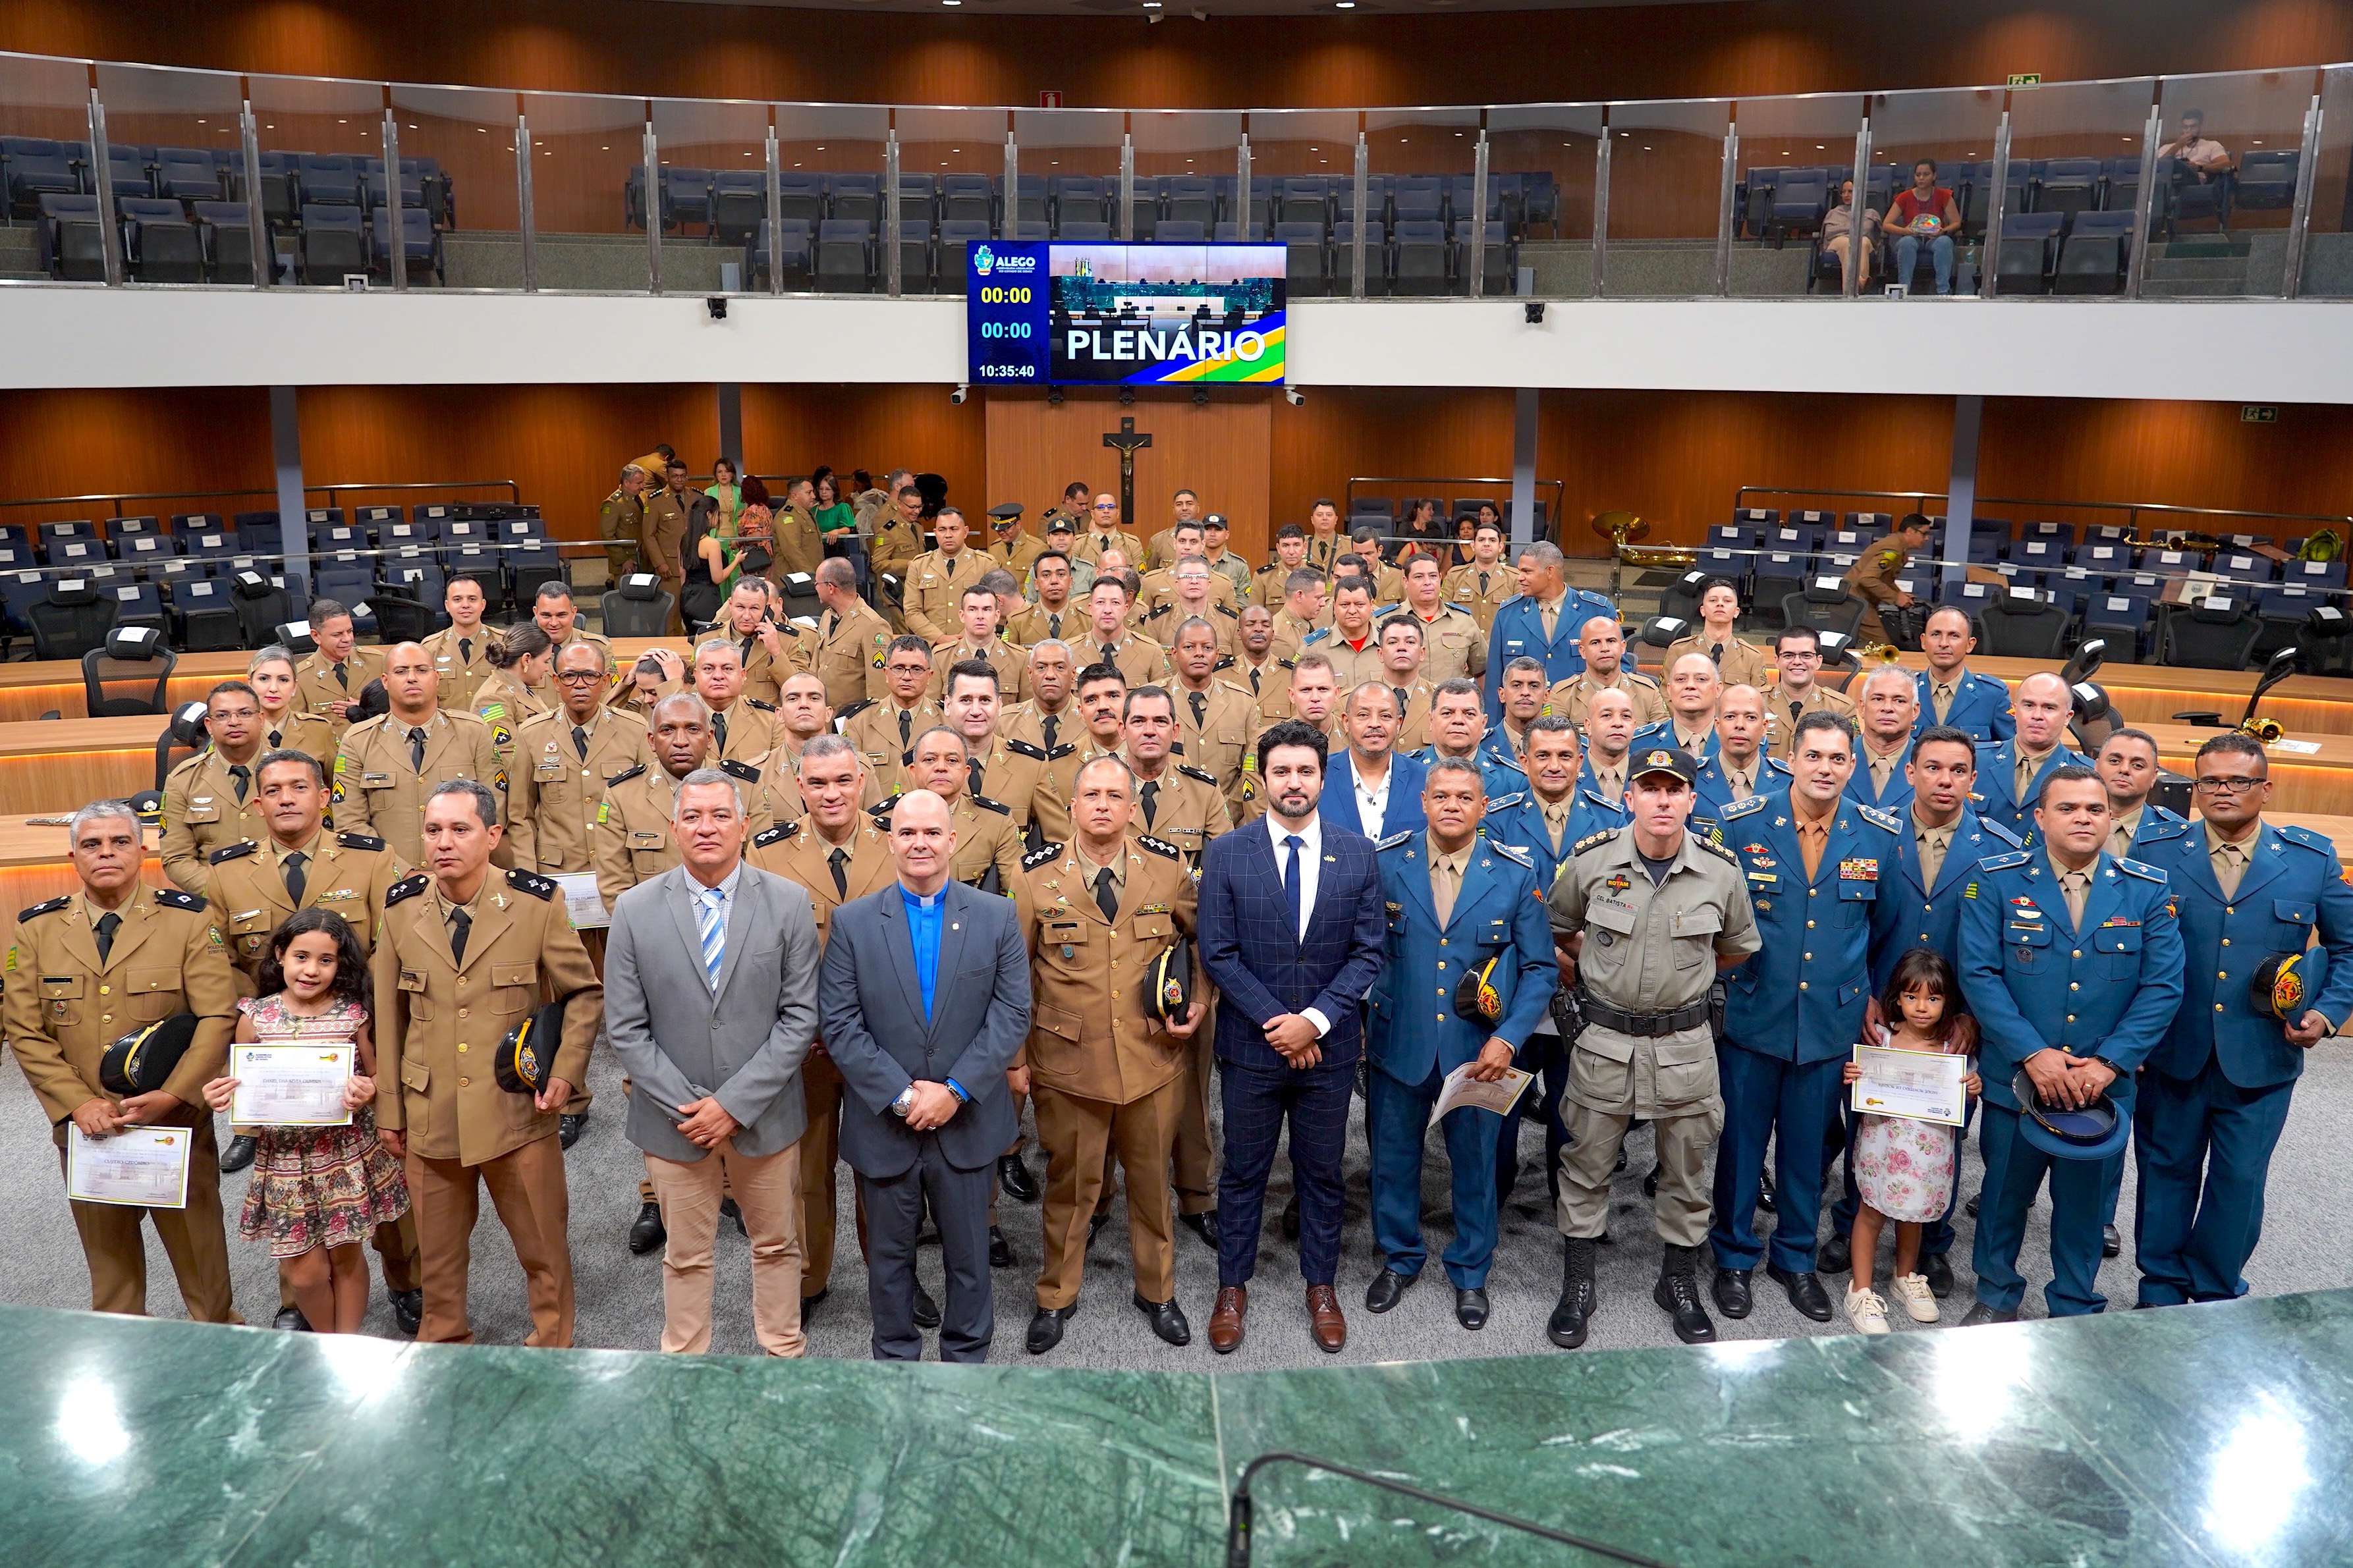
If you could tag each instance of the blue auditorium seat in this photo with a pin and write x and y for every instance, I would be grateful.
(686, 198)
(2028, 242)
(328, 179)
(738, 199)
(800, 197)
(2094, 253)
(420, 244)
(1182, 231)
(68, 241)
(37, 167)
(845, 256)
(1233, 234)
(1084, 231)
(788, 241)
(967, 199)
(188, 175)
(333, 242)
(1500, 260)
(956, 234)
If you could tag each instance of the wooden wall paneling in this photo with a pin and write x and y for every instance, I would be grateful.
(112, 441)
(1222, 451)
(1340, 433)
(2178, 454)
(790, 429)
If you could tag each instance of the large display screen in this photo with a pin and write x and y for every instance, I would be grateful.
(1057, 314)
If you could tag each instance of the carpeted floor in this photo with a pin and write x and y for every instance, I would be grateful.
(2309, 1241)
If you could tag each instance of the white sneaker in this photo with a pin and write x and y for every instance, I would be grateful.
(1911, 1291)
(1867, 1312)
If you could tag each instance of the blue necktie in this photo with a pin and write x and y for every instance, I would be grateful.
(711, 911)
(1290, 879)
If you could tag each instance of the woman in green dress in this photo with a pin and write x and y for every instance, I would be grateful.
(832, 513)
(726, 493)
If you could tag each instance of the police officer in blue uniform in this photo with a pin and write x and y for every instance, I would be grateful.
(1470, 972)
(1814, 862)
(2011, 772)
(1938, 847)
(1543, 622)
(2214, 1094)
(1610, 720)
(2070, 960)
(1741, 766)
(1885, 711)
(1950, 692)
(1694, 689)
(1460, 728)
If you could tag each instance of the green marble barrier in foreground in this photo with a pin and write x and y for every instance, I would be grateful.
(2205, 1434)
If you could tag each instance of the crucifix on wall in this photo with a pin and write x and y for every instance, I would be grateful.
(1126, 441)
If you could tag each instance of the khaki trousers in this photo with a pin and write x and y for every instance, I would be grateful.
(820, 1159)
(1685, 1141)
(526, 1187)
(1078, 1136)
(195, 1238)
(767, 1190)
(1197, 1173)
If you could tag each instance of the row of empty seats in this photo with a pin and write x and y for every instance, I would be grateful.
(32, 167)
(165, 241)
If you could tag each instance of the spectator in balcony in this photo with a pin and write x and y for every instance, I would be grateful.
(2197, 157)
(1924, 214)
(1838, 229)
(726, 493)
(833, 514)
(1419, 532)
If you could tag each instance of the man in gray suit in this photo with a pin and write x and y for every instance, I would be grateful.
(926, 1001)
(711, 1000)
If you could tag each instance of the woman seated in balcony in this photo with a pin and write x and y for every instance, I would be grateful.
(1923, 215)
(1838, 230)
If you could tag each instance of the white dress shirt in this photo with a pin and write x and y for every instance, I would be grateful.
(1311, 862)
(1372, 801)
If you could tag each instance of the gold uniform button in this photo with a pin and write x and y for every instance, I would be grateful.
(2073, 985)
(1801, 985)
(2077, 953)
(2071, 1017)
(2218, 1006)
(106, 991)
(2226, 942)
(461, 1050)
(461, 1012)
(1810, 925)
(465, 1083)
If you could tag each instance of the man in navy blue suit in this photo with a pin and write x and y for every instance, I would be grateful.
(1374, 788)
(1292, 934)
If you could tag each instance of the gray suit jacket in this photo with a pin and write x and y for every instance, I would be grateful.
(876, 1033)
(678, 1040)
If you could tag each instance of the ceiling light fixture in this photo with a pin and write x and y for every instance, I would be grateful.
(1344, 5)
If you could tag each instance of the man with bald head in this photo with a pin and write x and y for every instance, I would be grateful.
(1608, 733)
(1887, 704)
(1950, 691)
(1740, 767)
(1603, 645)
(1694, 689)
(2011, 772)
(386, 766)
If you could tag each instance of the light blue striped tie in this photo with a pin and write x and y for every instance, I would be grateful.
(711, 911)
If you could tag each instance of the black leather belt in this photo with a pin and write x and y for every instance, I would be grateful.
(1643, 1026)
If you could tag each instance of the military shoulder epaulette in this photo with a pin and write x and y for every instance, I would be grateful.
(1394, 839)
(406, 888)
(1158, 610)
(986, 804)
(1226, 662)
(2304, 837)
(532, 882)
(1743, 807)
(1593, 840)
(1715, 846)
(1505, 802)
(625, 775)
(1513, 853)
(1190, 772)
(2001, 832)
(188, 764)
(855, 708)
(1286, 664)
(1227, 610)
(172, 899)
(2004, 862)
(1318, 635)
(1159, 846)
(1991, 745)
(1775, 764)
(1041, 856)
(2141, 869)
(2163, 829)
(776, 834)
(48, 907)
(741, 770)
(359, 841)
(886, 805)
(1453, 606)
(1023, 748)
(1877, 817)
(762, 707)
(231, 851)
(1064, 749)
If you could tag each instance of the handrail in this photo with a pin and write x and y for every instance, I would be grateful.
(513, 490)
(1559, 488)
(2132, 509)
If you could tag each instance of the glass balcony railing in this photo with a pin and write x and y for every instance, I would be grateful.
(2235, 185)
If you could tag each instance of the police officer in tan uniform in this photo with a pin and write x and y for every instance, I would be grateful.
(1326, 542)
(467, 954)
(1272, 586)
(390, 765)
(1102, 531)
(985, 837)
(518, 687)
(742, 728)
(211, 799)
(998, 768)
(1647, 915)
(1482, 584)
(1602, 643)
(1168, 546)
(1454, 642)
(553, 612)
(884, 732)
(332, 679)
(1106, 638)
(977, 616)
(461, 651)
(1013, 549)
(1403, 669)
(562, 759)
(936, 580)
(1190, 591)
(1098, 732)
(1256, 666)
(296, 864)
(631, 842)
(1217, 535)
(1215, 718)
(1873, 577)
(270, 673)
(1797, 655)
(769, 646)
(1058, 611)
(1351, 643)
(87, 968)
(661, 541)
(850, 638)
(1305, 609)
(898, 537)
(1107, 1077)
(1174, 801)
(620, 520)
(1738, 663)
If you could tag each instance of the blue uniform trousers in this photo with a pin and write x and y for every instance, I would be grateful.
(1937, 1235)
(2014, 1172)
(1545, 1055)
(1763, 1095)
(1257, 1102)
(1396, 1117)
(2205, 1148)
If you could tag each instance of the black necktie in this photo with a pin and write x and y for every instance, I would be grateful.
(906, 726)
(1054, 625)
(1150, 800)
(1110, 653)
(1715, 651)
(276, 739)
(343, 677)
(1052, 722)
(1201, 701)
(295, 880)
(839, 861)
(106, 924)
(1254, 691)
(242, 776)
(1107, 891)
(580, 742)
(462, 923)
(747, 651)
(465, 650)
(973, 784)
(719, 728)
(1399, 692)
(416, 748)
(1482, 585)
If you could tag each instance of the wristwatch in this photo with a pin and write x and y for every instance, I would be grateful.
(904, 1104)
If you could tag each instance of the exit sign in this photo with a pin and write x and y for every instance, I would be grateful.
(2259, 414)
(2026, 78)
(1049, 97)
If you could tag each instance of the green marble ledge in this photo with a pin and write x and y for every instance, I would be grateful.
(2213, 1435)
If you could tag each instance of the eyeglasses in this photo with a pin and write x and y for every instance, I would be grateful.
(2227, 786)
(580, 677)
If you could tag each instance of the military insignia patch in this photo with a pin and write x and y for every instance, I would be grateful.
(505, 737)
(1619, 883)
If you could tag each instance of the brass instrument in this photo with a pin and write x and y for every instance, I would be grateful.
(1622, 528)
(2264, 729)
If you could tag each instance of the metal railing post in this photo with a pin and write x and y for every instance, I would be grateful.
(1725, 218)
(2306, 162)
(1242, 192)
(890, 212)
(1851, 285)
(2137, 266)
(1478, 260)
(1011, 215)
(654, 196)
(1126, 188)
(1602, 212)
(773, 225)
(526, 219)
(395, 245)
(1357, 240)
(258, 238)
(109, 229)
(1997, 205)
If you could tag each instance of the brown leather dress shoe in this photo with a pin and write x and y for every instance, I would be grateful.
(1226, 1319)
(1324, 1323)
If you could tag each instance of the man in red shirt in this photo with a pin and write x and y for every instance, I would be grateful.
(1924, 214)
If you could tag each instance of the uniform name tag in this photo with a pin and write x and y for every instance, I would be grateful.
(374, 781)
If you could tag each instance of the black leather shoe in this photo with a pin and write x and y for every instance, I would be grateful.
(1168, 1320)
(810, 1303)
(568, 1128)
(1766, 1198)
(1650, 1184)
(1806, 1292)
(1290, 1220)
(730, 1209)
(1677, 1292)
(1937, 1270)
(1203, 1224)
(1733, 1292)
(1982, 1314)
(291, 1320)
(1835, 1256)
(236, 1156)
(1470, 1308)
(408, 1310)
(1015, 1178)
(927, 1311)
(1565, 1327)
(1619, 1168)
(647, 1231)
(1973, 1205)
(1045, 1328)
(1095, 1222)
(1386, 1289)
(2110, 1242)
(1000, 1251)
